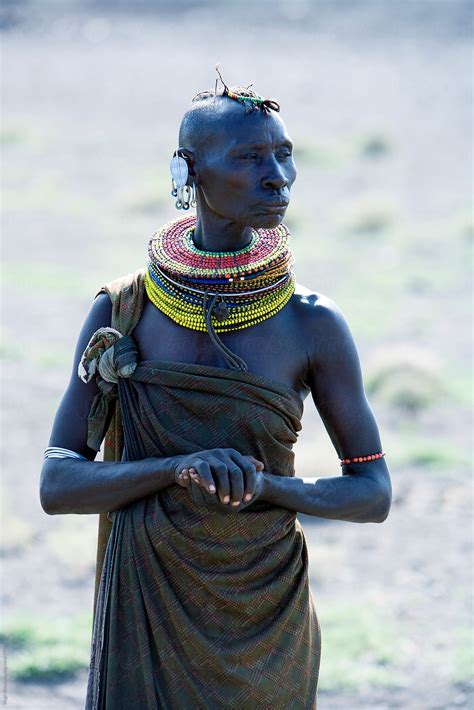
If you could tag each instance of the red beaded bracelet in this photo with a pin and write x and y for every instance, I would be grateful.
(360, 459)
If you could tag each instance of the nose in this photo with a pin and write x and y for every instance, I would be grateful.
(275, 178)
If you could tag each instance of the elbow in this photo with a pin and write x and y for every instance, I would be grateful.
(380, 497)
(382, 506)
(46, 503)
(48, 498)
(380, 514)
(47, 507)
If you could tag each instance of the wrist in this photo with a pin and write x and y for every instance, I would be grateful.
(266, 487)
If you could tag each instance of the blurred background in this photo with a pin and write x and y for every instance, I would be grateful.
(377, 97)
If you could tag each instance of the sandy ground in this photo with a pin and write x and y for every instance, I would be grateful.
(91, 104)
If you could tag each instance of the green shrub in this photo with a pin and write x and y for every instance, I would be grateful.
(359, 647)
(369, 215)
(405, 377)
(45, 649)
(374, 145)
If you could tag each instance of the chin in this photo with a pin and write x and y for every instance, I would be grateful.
(267, 221)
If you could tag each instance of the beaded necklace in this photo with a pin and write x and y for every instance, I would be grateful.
(219, 291)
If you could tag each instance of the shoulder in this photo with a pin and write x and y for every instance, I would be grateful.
(315, 309)
(101, 306)
(133, 282)
(323, 325)
(123, 298)
(100, 313)
(99, 316)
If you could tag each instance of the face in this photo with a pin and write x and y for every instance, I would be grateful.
(245, 170)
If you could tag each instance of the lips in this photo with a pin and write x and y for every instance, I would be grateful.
(274, 205)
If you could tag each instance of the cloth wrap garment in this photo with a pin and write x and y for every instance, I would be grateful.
(198, 608)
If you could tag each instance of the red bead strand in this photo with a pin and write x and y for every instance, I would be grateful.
(361, 459)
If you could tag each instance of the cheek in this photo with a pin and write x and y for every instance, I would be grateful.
(227, 191)
(228, 180)
(291, 174)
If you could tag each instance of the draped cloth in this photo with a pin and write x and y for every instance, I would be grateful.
(199, 608)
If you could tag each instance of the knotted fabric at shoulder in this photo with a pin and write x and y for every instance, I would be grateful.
(110, 354)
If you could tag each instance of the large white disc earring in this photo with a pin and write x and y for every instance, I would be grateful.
(179, 178)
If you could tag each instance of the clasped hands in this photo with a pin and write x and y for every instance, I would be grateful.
(223, 479)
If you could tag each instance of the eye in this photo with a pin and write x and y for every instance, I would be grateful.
(285, 154)
(250, 156)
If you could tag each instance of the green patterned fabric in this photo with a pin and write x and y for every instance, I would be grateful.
(127, 295)
(199, 608)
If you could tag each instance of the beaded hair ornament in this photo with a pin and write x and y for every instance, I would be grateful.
(247, 97)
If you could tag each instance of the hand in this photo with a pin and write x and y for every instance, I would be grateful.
(222, 476)
(201, 496)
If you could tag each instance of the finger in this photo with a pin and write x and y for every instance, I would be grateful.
(240, 459)
(221, 477)
(183, 477)
(259, 465)
(194, 477)
(236, 478)
(250, 485)
(203, 470)
(179, 470)
(247, 466)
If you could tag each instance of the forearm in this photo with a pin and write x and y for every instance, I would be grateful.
(73, 486)
(360, 497)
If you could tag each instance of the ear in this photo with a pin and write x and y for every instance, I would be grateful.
(188, 155)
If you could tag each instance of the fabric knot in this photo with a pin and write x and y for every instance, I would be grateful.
(125, 356)
(109, 354)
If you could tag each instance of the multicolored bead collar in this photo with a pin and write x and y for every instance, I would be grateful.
(219, 291)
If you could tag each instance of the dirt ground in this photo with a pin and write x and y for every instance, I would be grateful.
(378, 100)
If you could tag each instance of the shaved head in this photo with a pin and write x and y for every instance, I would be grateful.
(202, 120)
(207, 113)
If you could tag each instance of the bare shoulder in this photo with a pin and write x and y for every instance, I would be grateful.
(322, 323)
(99, 316)
(101, 309)
(316, 309)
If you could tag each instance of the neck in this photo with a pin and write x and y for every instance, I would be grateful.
(215, 233)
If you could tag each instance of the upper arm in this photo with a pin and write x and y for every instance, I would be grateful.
(70, 423)
(337, 386)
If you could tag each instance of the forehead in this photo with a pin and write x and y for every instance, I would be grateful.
(232, 128)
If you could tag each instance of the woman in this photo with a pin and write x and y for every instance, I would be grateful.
(195, 370)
